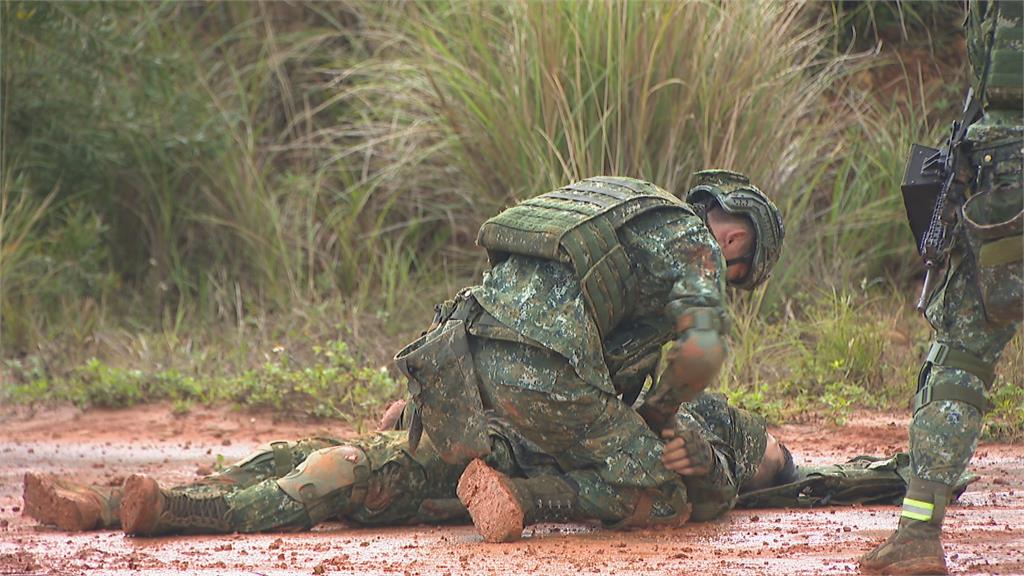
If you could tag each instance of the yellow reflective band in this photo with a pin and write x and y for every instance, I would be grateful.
(916, 516)
(919, 504)
(917, 509)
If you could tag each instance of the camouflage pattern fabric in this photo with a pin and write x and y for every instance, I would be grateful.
(738, 439)
(540, 360)
(680, 266)
(737, 436)
(401, 488)
(406, 489)
(601, 444)
(944, 433)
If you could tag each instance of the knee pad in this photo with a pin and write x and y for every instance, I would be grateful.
(326, 472)
(943, 355)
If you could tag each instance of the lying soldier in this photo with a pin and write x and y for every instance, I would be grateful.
(374, 480)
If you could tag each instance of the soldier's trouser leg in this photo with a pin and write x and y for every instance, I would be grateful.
(972, 326)
(273, 460)
(370, 480)
(970, 334)
(737, 438)
(610, 455)
(244, 497)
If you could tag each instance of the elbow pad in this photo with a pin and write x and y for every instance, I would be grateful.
(699, 351)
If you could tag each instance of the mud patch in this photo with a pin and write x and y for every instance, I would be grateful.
(984, 534)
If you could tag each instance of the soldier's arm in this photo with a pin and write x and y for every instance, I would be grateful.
(695, 357)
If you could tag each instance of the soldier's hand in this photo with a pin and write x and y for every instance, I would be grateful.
(686, 454)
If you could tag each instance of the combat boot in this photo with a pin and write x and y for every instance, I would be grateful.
(148, 510)
(69, 505)
(916, 545)
(501, 506)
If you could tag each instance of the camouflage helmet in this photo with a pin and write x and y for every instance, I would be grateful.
(734, 193)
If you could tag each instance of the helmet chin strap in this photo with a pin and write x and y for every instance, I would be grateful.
(748, 260)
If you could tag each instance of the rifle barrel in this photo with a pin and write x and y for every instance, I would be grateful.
(930, 267)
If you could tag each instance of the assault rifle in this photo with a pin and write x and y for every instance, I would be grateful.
(933, 189)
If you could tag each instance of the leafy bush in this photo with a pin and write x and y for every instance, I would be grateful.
(829, 358)
(334, 386)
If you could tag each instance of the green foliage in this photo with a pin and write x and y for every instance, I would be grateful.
(859, 229)
(1006, 421)
(840, 348)
(828, 358)
(334, 385)
(861, 25)
(537, 94)
(152, 156)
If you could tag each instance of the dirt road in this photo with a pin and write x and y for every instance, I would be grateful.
(985, 533)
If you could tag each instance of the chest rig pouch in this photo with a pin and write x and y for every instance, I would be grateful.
(443, 387)
(577, 225)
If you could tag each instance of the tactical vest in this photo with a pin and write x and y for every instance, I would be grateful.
(577, 225)
(995, 45)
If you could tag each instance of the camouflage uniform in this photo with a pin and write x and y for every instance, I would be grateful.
(944, 433)
(588, 282)
(391, 485)
(977, 309)
(545, 362)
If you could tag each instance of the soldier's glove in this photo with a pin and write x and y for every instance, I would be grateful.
(686, 452)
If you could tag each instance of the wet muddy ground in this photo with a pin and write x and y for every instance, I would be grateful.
(985, 534)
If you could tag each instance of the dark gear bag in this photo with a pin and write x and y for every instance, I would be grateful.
(444, 390)
(994, 222)
(861, 480)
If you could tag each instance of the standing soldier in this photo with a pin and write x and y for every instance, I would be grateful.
(978, 306)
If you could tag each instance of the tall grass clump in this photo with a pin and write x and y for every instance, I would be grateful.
(536, 94)
(859, 225)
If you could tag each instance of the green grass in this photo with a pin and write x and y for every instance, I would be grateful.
(331, 384)
(1006, 421)
(831, 354)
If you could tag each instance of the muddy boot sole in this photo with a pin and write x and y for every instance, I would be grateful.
(141, 505)
(492, 503)
(917, 566)
(896, 558)
(49, 504)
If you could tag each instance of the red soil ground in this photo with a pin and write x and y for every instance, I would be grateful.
(985, 534)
